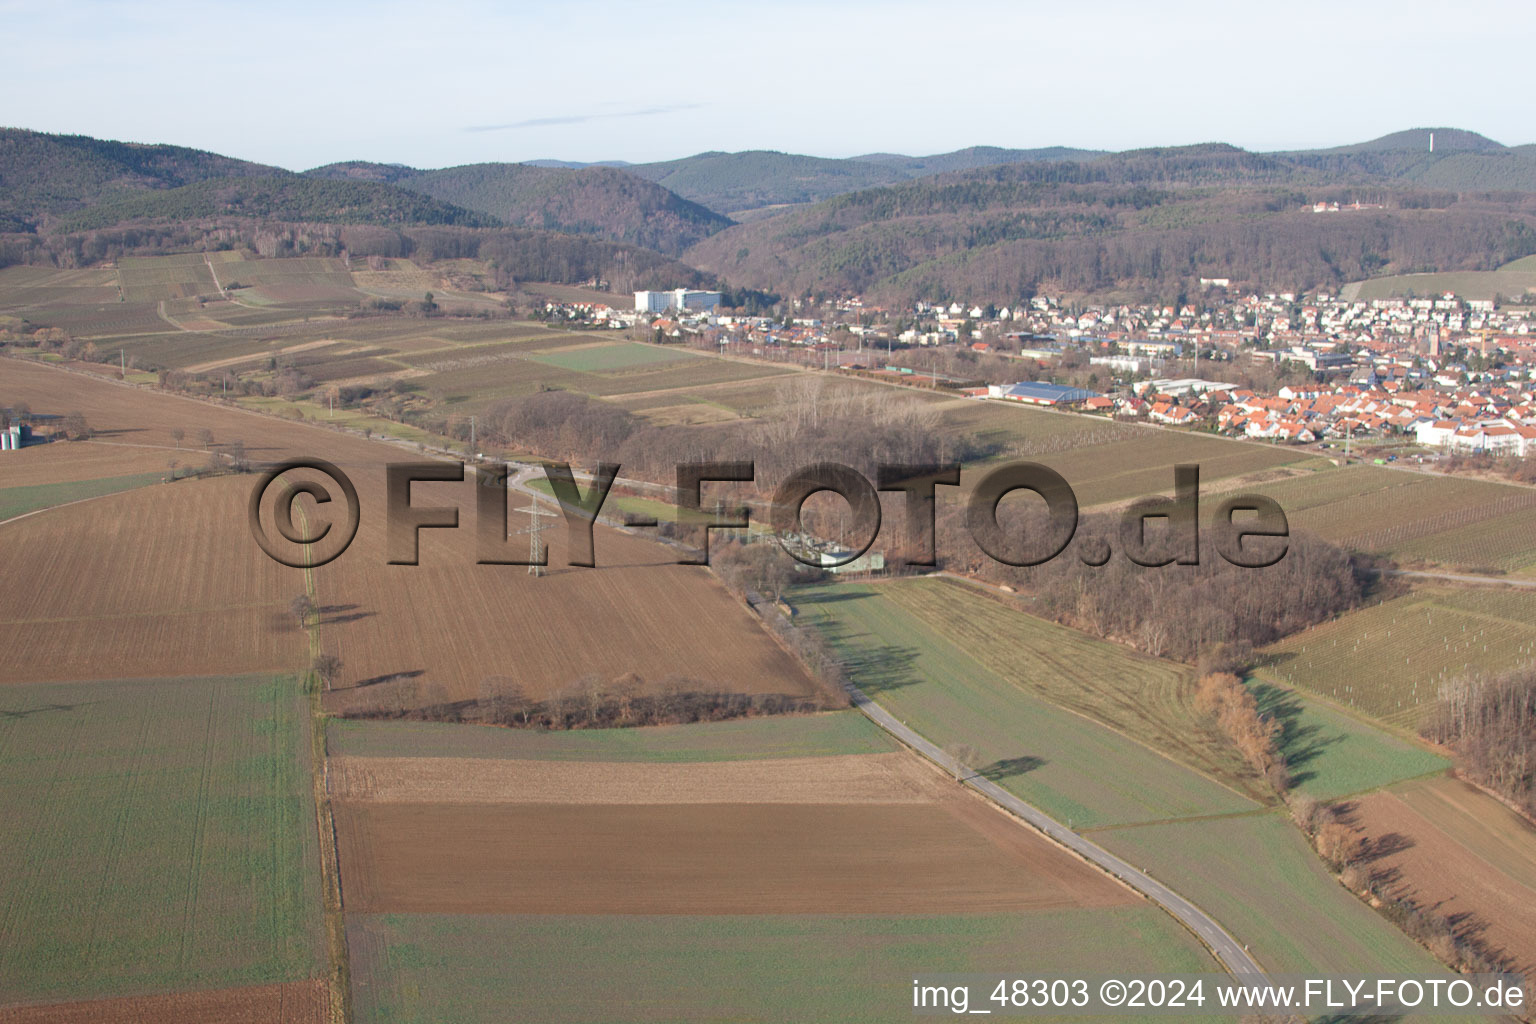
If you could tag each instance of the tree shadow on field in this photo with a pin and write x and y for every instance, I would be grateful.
(1301, 744)
(1385, 845)
(873, 667)
(336, 614)
(1010, 767)
(389, 677)
(1273, 659)
(830, 596)
(883, 669)
(19, 713)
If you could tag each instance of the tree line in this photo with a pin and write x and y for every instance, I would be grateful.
(590, 703)
(1489, 720)
(1172, 611)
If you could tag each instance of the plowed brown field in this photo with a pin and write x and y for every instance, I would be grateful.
(167, 580)
(1460, 852)
(914, 844)
(848, 779)
(301, 1002)
(161, 581)
(68, 462)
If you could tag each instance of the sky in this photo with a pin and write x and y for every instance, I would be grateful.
(303, 84)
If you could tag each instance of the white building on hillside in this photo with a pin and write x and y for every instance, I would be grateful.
(678, 298)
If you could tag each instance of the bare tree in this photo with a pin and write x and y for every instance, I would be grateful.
(177, 434)
(327, 667)
(302, 609)
(502, 700)
(76, 428)
(237, 459)
(965, 757)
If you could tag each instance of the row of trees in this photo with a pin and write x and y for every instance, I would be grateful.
(590, 703)
(1256, 736)
(810, 419)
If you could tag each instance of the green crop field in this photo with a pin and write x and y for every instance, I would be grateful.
(1453, 521)
(1511, 280)
(1390, 659)
(16, 501)
(1256, 875)
(681, 374)
(486, 968)
(446, 355)
(624, 355)
(821, 735)
(1145, 698)
(1331, 755)
(1074, 769)
(159, 834)
(1115, 463)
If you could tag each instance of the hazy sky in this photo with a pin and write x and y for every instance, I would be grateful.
(302, 84)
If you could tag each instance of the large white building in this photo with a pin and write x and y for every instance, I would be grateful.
(678, 298)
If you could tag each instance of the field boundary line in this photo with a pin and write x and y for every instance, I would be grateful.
(1000, 595)
(339, 975)
(50, 508)
(1228, 952)
(1254, 812)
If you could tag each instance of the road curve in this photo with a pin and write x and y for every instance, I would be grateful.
(1227, 950)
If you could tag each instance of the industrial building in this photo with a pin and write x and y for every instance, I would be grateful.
(1040, 393)
(678, 298)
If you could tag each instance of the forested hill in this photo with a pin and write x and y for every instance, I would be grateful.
(44, 174)
(601, 201)
(1148, 221)
(733, 183)
(736, 182)
(288, 199)
(1461, 160)
(993, 224)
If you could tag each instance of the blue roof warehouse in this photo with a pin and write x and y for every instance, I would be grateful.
(1040, 393)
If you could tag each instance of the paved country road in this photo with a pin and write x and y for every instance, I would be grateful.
(1227, 949)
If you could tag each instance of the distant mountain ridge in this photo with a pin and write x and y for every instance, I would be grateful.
(981, 221)
(1445, 140)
